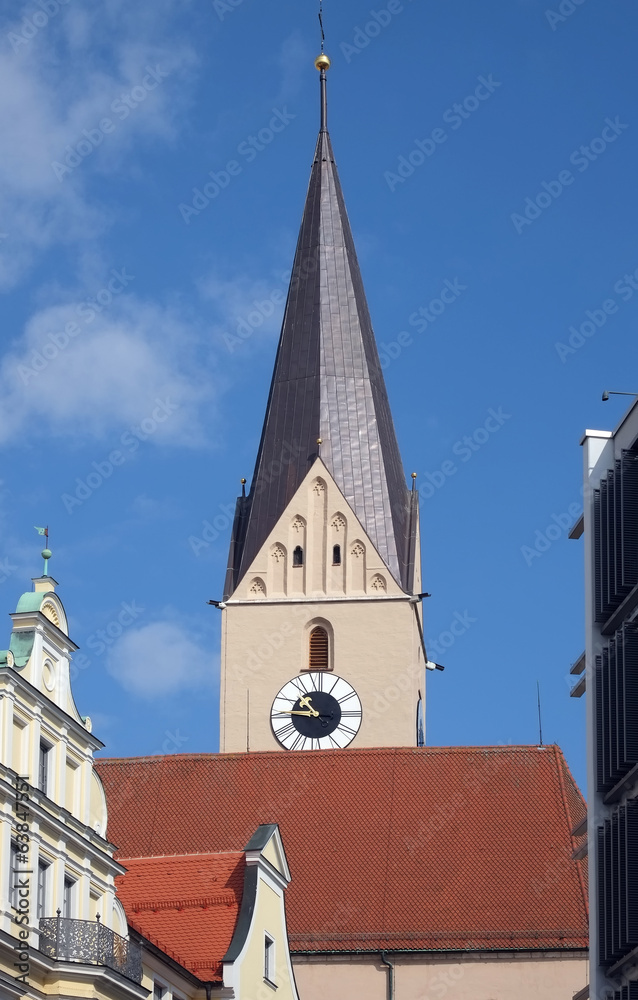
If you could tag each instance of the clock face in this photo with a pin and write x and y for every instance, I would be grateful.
(316, 711)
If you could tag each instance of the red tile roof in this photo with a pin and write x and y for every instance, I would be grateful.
(187, 905)
(435, 848)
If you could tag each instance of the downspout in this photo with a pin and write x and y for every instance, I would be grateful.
(390, 966)
(209, 987)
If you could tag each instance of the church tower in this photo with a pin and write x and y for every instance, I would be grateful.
(322, 643)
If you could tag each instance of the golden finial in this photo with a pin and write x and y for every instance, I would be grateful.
(322, 61)
(319, 440)
(414, 475)
(243, 482)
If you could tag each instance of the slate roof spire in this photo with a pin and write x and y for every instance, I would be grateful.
(328, 384)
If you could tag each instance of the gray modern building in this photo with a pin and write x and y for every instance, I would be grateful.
(609, 671)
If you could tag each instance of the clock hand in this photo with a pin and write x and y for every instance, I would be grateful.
(309, 714)
(305, 703)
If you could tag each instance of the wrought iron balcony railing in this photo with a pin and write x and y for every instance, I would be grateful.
(88, 941)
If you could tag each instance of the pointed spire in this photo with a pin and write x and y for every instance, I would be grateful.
(327, 385)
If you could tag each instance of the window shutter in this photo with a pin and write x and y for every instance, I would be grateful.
(615, 517)
(618, 883)
(631, 873)
(602, 898)
(616, 878)
(319, 649)
(629, 507)
(597, 565)
(630, 695)
(616, 709)
(598, 676)
(613, 713)
(605, 721)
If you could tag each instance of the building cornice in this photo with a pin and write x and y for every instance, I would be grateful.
(82, 835)
(78, 728)
(361, 599)
(31, 619)
(476, 954)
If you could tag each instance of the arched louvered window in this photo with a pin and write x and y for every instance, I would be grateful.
(318, 659)
(336, 555)
(297, 556)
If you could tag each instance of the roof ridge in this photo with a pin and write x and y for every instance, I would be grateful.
(563, 791)
(460, 748)
(564, 771)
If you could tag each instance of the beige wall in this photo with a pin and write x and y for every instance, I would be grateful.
(269, 918)
(465, 977)
(374, 639)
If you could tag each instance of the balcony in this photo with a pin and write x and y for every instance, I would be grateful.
(89, 942)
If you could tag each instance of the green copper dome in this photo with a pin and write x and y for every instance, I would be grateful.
(32, 600)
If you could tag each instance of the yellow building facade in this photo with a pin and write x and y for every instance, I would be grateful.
(63, 930)
(58, 872)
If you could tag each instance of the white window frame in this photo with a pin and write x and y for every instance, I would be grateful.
(69, 890)
(163, 990)
(44, 766)
(269, 958)
(42, 897)
(14, 870)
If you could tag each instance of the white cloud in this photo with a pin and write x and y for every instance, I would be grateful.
(160, 659)
(61, 82)
(81, 373)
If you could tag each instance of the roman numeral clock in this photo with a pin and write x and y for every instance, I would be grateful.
(316, 711)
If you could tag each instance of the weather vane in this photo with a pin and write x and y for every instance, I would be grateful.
(323, 37)
(46, 551)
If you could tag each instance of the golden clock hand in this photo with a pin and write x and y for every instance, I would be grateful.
(305, 703)
(309, 714)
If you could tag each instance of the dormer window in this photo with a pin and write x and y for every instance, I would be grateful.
(336, 555)
(297, 556)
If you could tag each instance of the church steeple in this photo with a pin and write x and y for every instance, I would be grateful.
(328, 385)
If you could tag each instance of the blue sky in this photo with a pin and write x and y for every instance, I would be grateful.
(136, 325)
